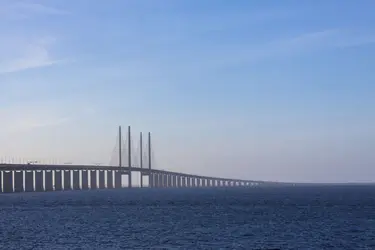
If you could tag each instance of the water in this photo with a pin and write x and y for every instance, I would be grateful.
(336, 217)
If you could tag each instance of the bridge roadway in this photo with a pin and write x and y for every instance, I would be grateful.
(40, 177)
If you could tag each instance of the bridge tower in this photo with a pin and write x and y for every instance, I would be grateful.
(120, 147)
(129, 158)
(150, 175)
(141, 155)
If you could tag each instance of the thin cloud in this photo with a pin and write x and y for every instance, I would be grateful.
(18, 10)
(25, 55)
(29, 116)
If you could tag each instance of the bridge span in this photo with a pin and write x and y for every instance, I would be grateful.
(41, 178)
(34, 177)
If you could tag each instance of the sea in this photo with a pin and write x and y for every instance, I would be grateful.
(311, 217)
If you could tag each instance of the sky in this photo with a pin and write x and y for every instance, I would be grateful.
(259, 90)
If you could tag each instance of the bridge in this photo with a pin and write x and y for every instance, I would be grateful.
(36, 177)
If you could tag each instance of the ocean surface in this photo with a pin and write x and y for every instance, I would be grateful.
(324, 217)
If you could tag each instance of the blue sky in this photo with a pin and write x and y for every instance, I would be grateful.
(271, 90)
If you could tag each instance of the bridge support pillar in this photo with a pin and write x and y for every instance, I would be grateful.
(39, 183)
(29, 181)
(110, 179)
(151, 178)
(118, 179)
(8, 181)
(101, 179)
(183, 181)
(58, 180)
(67, 180)
(85, 179)
(164, 180)
(93, 180)
(18, 181)
(48, 181)
(158, 180)
(174, 180)
(179, 180)
(155, 180)
(76, 180)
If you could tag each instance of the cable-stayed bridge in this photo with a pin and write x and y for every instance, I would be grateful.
(127, 161)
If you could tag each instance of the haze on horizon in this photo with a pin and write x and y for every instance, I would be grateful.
(263, 90)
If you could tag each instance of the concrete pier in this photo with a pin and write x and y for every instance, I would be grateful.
(169, 180)
(118, 179)
(29, 181)
(110, 179)
(101, 179)
(39, 184)
(58, 180)
(18, 181)
(93, 180)
(76, 181)
(85, 179)
(7, 181)
(48, 180)
(151, 181)
(67, 180)
(179, 181)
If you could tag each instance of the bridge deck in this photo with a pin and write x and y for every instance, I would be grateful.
(124, 170)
